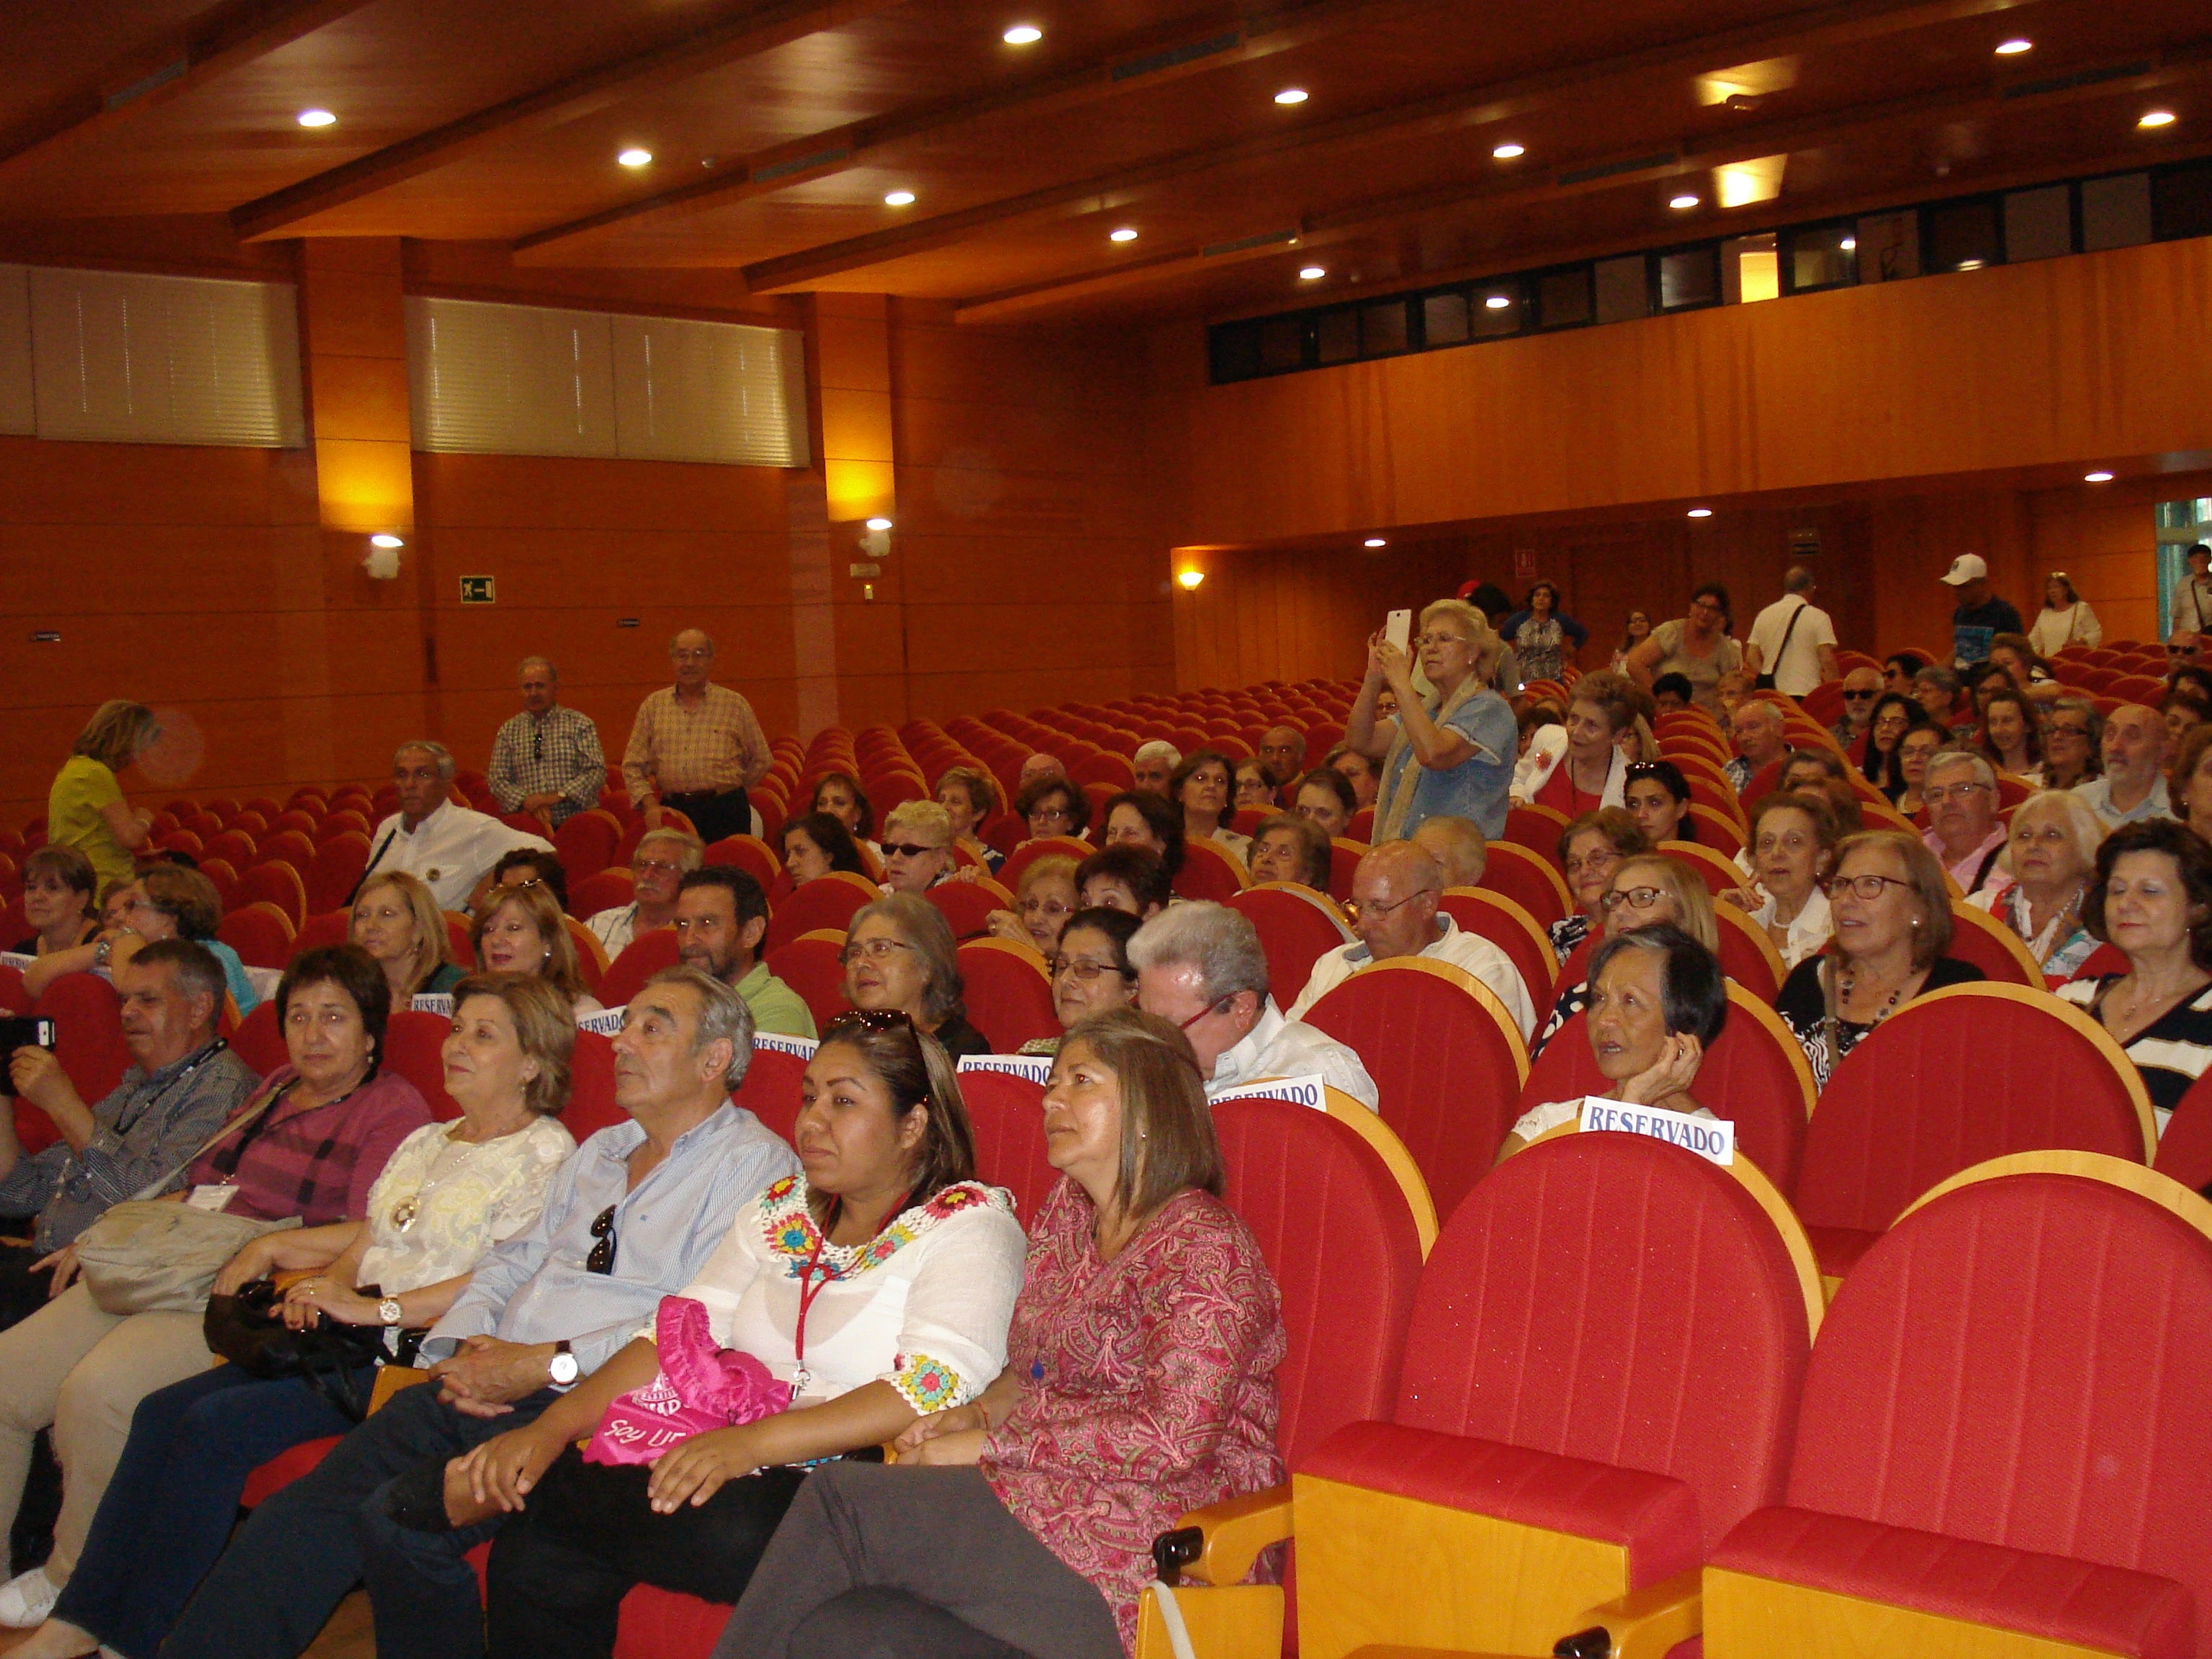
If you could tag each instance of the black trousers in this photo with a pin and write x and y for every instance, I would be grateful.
(715, 817)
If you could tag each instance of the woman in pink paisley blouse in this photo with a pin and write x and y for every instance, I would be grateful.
(875, 1287)
(1140, 1385)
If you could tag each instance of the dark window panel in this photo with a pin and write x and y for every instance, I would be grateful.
(2116, 211)
(1382, 330)
(1624, 288)
(1563, 299)
(1964, 236)
(1443, 319)
(2038, 224)
(1339, 336)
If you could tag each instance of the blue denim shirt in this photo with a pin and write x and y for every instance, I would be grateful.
(1477, 788)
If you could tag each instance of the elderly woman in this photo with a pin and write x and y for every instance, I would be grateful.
(166, 901)
(1658, 796)
(2073, 744)
(1696, 646)
(1657, 1002)
(1893, 915)
(1644, 890)
(309, 1144)
(1255, 791)
(448, 1194)
(2012, 735)
(917, 847)
(840, 795)
(1291, 847)
(85, 808)
(59, 888)
(1200, 789)
(1914, 751)
(1091, 971)
(814, 844)
(969, 796)
(2151, 898)
(1794, 836)
(397, 920)
(522, 932)
(1325, 797)
(1135, 818)
(1140, 1385)
(1359, 769)
(1579, 766)
(1053, 805)
(2065, 619)
(899, 958)
(1936, 689)
(2052, 844)
(657, 865)
(1123, 877)
(1452, 752)
(1043, 901)
(1591, 850)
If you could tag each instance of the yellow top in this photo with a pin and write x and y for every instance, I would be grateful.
(81, 789)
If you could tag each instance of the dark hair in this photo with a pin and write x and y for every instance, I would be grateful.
(1877, 765)
(1168, 1145)
(827, 833)
(2191, 674)
(912, 1065)
(1694, 994)
(199, 972)
(1674, 685)
(2188, 851)
(175, 855)
(1827, 824)
(355, 972)
(546, 866)
(1034, 792)
(1313, 845)
(1187, 768)
(1616, 824)
(2030, 719)
(1537, 713)
(2187, 755)
(1161, 816)
(1529, 600)
(1119, 926)
(2064, 581)
(1907, 662)
(1717, 593)
(1668, 776)
(187, 897)
(1490, 599)
(67, 866)
(1328, 778)
(745, 896)
(1139, 869)
(866, 826)
(1830, 764)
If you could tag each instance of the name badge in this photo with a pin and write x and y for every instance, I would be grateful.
(1038, 1068)
(606, 1022)
(211, 1197)
(1710, 1138)
(1309, 1090)
(783, 1043)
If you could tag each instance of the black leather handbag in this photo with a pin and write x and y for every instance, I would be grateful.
(248, 1330)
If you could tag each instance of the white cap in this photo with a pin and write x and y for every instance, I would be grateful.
(1966, 568)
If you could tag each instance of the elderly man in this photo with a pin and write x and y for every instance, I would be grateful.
(1394, 904)
(696, 747)
(1039, 766)
(1793, 639)
(1282, 754)
(1201, 966)
(182, 1085)
(721, 916)
(2133, 787)
(630, 1218)
(546, 761)
(1155, 764)
(917, 847)
(657, 866)
(1761, 740)
(1459, 846)
(1964, 831)
(1980, 616)
(450, 847)
(1862, 687)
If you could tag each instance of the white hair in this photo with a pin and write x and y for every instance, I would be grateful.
(2088, 828)
(1220, 942)
(1158, 748)
(1984, 774)
(437, 752)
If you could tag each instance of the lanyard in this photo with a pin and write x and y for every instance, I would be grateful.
(811, 1286)
(123, 1127)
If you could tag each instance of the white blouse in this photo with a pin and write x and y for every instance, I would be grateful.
(1805, 936)
(442, 1203)
(923, 1306)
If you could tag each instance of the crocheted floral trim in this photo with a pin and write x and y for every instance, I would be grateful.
(927, 1385)
(791, 1233)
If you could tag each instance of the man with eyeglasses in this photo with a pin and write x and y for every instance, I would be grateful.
(696, 747)
(657, 868)
(432, 836)
(630, 1218)
(546, 761)
(721, 916)
(1394, 895)
(1964, 832)
(2133, 787)
(1862, 687)
(1202, 966)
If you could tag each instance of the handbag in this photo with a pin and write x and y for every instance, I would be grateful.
(1766, 682)
(699, 1387)
(247, 1328)
(160, 1256)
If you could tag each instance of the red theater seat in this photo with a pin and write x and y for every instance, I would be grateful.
(414, 1047)
(1009, 998)
(591, 1088)
(809, 965)
(646, 955)
(771, 1089)
(88, 1040)
(1529, 879)
(1006, 1112)
(1296, 926)
(827, 901)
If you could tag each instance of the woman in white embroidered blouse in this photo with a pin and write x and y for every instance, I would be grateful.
(446, 1195)
(876, 1287)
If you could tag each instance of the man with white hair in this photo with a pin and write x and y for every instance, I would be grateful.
(696, 747)
(546, 761)
(1964, 832)
(449, 846)
(1155, 764)
(1201, 966)
(1761, 739)
(2133, 787)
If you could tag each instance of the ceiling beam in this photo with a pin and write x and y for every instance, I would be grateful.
(1190, 51)
(226, 39)
(755, 30)
(1801, 31)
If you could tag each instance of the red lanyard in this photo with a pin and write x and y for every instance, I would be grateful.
(809, 1287)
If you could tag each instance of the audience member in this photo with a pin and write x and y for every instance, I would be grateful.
(1633, 634)
(657, 865)
(1038, 766)
(1490, 599)
(2053, 845)
(1861, 690)
(1696, 646)
(814, 845)
(1980, 616)
(1134, 819)
(1253, 792)
(1671, 693)
(1140, 1385)
(1731, 691)
(2192, 611)
(1761, 740)
(1579, 765)
(1325, 796)
(1053, 806)
(1395, 894)
(2065, 619)
(1893, 917)
(1658, 1001)
(630, 1218)
(1914, 751)
(165, 902)
(1283, 753)
(1646, 888)
(1963, 829)
(2012, 736)
(433, 836)
(2031, 675)
(397, 921)
(523, 932)
(899, 958)
(1201, 966)
(1792, 645)
(1123, 876)
(696, 746)
(2189, 786)
(1545, 639)
(2133, 787)
(1199, 790)
(1591, 849)
(546, 761)
(59, 889)
(2181, 711)
(969, 797)
(1658, 796)
(1360, 770)
(1452, 752)
(1288, 847)
(1818, 770)
(1894, 714)
(1794, 837)
(1936, 689)
(1154, 763)
(1090, 970)
(1043, 901)
(1536, 717)
(917, 847)
(1459, 846)
(85, 806)
(1900, 670)
(526, 866)
(721, 917)
(840, 795)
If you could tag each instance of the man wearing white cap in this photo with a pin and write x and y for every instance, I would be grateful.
(1981, 616)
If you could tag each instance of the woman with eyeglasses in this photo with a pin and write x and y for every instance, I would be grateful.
(1255, 791)
(917, 847)
(1647, 888)
(1053, 805)
(1893, 915)
(899, 958)
(2065, 619)
(1452, 753)
(871, 1292)
(1290, 847)
(1894, 714)
(397, 920)
(1794, 836)
(1590, 849)
(1696, 646)
(1091, 971)
(523, 932)
(1043, 901)
(2052, 847)
(1140, 1385)
(165, 901)
(2073, 744)
(2012, 735)
(448, 1193)
(1199, 787)
(814, 844)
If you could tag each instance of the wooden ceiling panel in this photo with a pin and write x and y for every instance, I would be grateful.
(56, 48)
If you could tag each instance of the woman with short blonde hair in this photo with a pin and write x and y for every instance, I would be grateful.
(397, 920)
(1452, 752)
(2052, 847)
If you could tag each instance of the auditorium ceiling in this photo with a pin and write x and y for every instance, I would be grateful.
(1135, 160)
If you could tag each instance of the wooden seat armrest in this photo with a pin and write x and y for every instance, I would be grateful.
(1646, 1623)
(1234, 1531)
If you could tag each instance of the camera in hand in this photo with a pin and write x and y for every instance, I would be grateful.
(26, 1031)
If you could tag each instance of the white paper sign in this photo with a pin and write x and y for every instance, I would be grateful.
(433, 1002)
(1309, 1090)
(779, 1043)
(1712, 1139)
(606, 1022)
(1038, 1068)
(16, 959)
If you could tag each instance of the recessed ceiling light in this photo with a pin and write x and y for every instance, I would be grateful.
(1701, 512)
(317, 118)
(1507, 152)
(2156, 118)
(879, 524)
(2096, 478)
(1022, 34)
(1850, 245)
(1498, 302)
(1679, 203)
(1970, 265)
(1298, 95)
(1312, 274)
(385, 539)
(1124, 234)
(635, 158)
(1375, 541)
(2013, 48)
(899, 199)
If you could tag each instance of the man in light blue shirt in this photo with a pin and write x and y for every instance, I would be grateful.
(632, 1217)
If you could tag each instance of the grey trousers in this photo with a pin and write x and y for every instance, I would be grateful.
(889, 1563)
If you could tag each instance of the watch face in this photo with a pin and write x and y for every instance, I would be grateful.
(563, 1367)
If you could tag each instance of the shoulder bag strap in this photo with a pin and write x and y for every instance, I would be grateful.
(239, 1123)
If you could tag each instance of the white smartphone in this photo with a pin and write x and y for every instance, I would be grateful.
(1398, 629)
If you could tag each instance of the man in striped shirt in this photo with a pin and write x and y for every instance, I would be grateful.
(696, 747)
(546, 761)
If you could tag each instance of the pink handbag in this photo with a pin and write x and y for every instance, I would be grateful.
(698, 1387)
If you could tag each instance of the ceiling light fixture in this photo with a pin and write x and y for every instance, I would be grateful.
(317, 118)
(1190, 580)
(1681, 204)
(1124, 234)
(1701, 512)
(1022, 34)
(879, 524)
(2013, 48)
(635, 158)
(1298, 95)
(1498, 302)
(1312, 273)
(2096, 478)
(2156, 118)
(1507, 152)
(1850, 245)
(385, 539)
(1375, 541)
(899, 199)
(1970, 265)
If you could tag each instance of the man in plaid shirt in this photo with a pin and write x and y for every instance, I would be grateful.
(696, 746)
(546, 761)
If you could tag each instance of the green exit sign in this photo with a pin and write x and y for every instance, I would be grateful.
(479, 590)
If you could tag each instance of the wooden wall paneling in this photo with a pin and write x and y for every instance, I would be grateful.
(2104, 536)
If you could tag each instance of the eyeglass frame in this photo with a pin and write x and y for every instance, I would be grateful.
(1858, 892)
(876, 950)
(1627, 895)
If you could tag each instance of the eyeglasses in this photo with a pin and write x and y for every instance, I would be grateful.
(690, 653)
(1049, 813)
(1355, 909)
(875, 950)
(908, 849)
(1085, 970)
(654, 867)
(1219, 1007)
(1868, 887)
(1860, 697)
(1428, 639)
(1036, 907)
(1635, 898)
(602, 1258)
(1935, 793)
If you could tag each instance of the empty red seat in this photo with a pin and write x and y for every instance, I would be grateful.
(335, 870)
(1210, 871)
(967, 904)
(609, 890)
(749, 854)
(771, 1089)
(260, 933)
(1005, 1110)
(1008, 997)
(1529, 879)
(89, 1043)
(1296, 926)
(592, 1105)
(273, 884)
(414, 1047)
(259, 1039)
(646, 955)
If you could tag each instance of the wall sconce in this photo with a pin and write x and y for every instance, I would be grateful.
(1190, 580)
(382, 560)
(876, 540)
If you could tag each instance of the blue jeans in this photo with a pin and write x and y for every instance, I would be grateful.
(174, 1495)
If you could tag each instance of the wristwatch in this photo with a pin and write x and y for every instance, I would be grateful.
(562, 1367)
(388, 1310)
